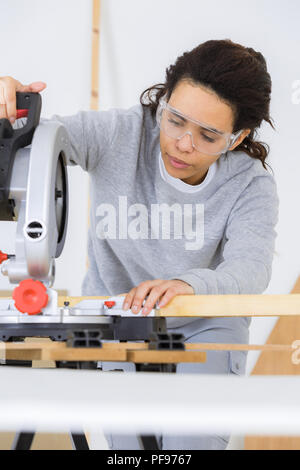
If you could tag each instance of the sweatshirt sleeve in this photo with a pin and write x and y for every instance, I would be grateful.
(249, 245)
(91, 134)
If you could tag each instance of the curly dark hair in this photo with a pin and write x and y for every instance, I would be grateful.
(237, 74)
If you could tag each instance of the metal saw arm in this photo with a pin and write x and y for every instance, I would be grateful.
(34, 191)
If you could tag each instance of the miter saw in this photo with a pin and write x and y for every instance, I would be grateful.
(34, 193)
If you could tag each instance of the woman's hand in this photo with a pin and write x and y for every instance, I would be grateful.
(155, 289)
(8, 89)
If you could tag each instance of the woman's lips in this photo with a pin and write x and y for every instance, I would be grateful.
(177, 163)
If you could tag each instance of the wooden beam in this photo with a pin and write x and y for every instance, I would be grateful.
(232, 305)
(208, 346)
(127, 352)
(131, 346)
(59, 352)
(220, 305)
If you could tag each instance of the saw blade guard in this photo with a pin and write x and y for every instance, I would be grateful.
(39, 190)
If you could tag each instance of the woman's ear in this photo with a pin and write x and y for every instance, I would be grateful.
(240, 138)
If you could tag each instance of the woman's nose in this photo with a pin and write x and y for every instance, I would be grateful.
(185, 142)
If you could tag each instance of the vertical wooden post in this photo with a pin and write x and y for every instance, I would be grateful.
(94, 102)
(95, 55)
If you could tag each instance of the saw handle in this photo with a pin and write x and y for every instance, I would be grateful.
(29, 105)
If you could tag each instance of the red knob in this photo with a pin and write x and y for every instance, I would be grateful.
(3, 256)
(109, 303)
(30, 296)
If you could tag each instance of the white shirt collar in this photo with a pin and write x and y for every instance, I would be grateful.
(181, 185)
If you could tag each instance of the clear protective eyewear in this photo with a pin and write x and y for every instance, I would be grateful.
(204, 139)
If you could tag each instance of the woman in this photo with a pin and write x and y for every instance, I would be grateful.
(181, 199)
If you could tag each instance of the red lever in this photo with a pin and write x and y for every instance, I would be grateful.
(3, 256)
(21, 113)
(30, 296)
(109, 303)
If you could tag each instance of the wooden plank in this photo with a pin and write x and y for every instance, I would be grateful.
(34, 346)
(84, 354)
(59, 352)
(24, 355)
(220, 305)
(137, 356)
(209, 346)
(241, 347)
(31, 350)
(285, 331)
(38, 363)
(99, 354)
(232, 305)
(128, 352)
(61, 346)
(165, 357)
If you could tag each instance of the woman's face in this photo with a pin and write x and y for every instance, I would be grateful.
(201, 104)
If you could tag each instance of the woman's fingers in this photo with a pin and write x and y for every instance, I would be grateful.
(161, 290)
(165, 292)
(10, 100)
(153, 297)
(35, 87)
(3, 113)
(136, 296)
(128, 299)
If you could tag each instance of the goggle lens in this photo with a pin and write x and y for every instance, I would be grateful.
(203, 139)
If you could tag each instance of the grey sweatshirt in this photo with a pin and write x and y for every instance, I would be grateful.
(217, 236)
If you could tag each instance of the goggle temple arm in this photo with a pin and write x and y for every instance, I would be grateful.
(235, 138)
(232, 140)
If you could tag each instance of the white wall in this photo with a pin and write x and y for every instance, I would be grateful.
(50, 41)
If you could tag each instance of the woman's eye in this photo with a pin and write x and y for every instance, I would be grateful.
(176, 123)
(208, 139)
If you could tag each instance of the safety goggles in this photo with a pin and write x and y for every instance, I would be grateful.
(204, 139)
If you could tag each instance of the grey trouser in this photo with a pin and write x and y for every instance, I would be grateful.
(204, 330)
